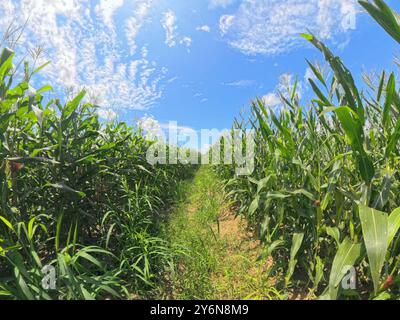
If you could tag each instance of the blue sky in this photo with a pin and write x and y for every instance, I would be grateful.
(197, 62)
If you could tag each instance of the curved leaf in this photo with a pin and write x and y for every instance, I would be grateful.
(346, 256)
(374, 225)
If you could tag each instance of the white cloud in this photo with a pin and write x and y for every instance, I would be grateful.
(169, 24)
(271, 100)
(204, 28)
(106, 9)
(220, 3)
(85, 50)
(225, 22)
(240, 83)
(107, 114)
(134, 23)
(187, 41)
(271, 27)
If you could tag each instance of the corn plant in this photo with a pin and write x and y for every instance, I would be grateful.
(78, 195)
(323, 196)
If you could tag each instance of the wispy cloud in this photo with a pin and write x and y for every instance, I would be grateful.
(80, 39)
(220, 3)
(169, 24)
(204, 28)
(271, 99)
(187, 41)
(272, 27)
(106, 10)
(134, 23)
(107, 114)
(239, 83)
(225, 23)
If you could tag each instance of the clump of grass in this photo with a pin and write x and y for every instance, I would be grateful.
(190, 229)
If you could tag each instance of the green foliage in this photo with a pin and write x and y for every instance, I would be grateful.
(385, 16)
(327, 172)
(78, 195)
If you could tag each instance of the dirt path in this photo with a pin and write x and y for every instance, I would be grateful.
(222, 252)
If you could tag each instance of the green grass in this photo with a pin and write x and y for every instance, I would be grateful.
(218, 261)
(190, 228)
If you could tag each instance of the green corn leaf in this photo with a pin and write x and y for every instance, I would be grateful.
(294, 89)
(6, 61)
(374, 225)
(277, 195)
(58, 231)
(4, 122)
(34, 159)
(270, 248)
(393, 139)
(7, 223)
(380, 88)
(31, 229)
(305, 193)
(297, 240)
(90, 258)
(73, 105)
(334, 233)
(22, 285)
(264, 182)
(41, 68)
(345, 257)
(5, 55)
(393, 224)
(45, 89)
(317, 73)
(390, 91)
(385, 16)
(384, 193)
(254, 205)
(64, 187)
(343, 76)
(319, 272)
(320, 95)
(354, 132)
(86, 294)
